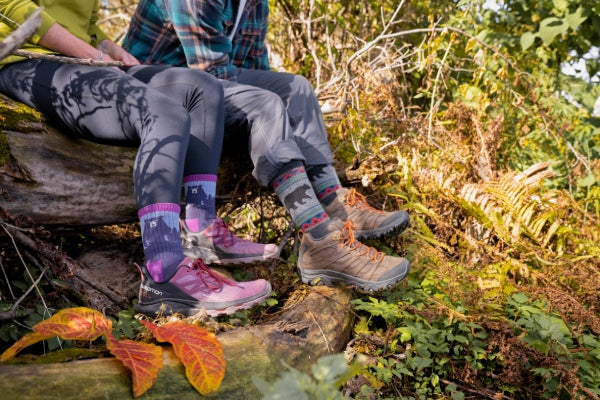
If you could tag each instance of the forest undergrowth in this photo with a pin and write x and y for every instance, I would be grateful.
(500, 175)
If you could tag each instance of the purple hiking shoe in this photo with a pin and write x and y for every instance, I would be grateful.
(193, 288)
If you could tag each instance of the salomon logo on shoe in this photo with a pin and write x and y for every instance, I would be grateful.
(151, 290)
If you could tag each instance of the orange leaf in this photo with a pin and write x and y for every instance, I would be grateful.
(25, 341)
(79, 323)
(143, 359)
(198, 349)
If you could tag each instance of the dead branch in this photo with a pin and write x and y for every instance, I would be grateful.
(20, 36)
(63, 266)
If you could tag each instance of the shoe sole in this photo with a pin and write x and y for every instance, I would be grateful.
(172, 306)
(386, 231)
(212, 258)
(327, 277)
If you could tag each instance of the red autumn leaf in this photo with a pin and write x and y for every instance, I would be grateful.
(25, 341)
(143, 359)
(198, 349)
(77, 323)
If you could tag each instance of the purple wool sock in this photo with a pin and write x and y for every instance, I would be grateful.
(200, 193)
(161, 239)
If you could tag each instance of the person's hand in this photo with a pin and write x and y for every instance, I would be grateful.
(117, 53)
(122, 55)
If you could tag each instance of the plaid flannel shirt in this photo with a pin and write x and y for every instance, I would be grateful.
(195, 33)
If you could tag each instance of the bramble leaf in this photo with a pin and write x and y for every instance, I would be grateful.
(25, 341)
(198, 349)
(79, 323)
(143, 359)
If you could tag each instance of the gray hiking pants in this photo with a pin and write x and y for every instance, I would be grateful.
(280, 117)
(158, 109)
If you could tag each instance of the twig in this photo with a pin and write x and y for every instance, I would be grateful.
(67, 60)
(70, 266)
(6, 279)
(21, 34)
(485, 392)
(28, 273)
(433, 106)
(34, 285)
(329, 349)
(12, 314)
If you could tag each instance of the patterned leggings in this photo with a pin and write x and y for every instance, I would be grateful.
(173, 115)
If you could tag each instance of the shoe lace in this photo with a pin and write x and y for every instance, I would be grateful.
(355, 199)
(347, 239)
(204, 273)
(222, 229)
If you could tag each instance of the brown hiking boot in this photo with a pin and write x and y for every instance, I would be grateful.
(339, 257)
(369, 222)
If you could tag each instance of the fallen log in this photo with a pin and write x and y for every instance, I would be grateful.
(57, 180)
(315, 323)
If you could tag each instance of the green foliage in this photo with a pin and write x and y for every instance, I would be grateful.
(441, 108)
(548, 333)
(127, 326)
(428, 352)
(328, 374)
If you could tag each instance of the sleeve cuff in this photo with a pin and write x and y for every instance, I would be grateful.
(47, 22)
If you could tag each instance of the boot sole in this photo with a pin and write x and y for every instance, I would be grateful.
(212, 258)
(172, 306)
(385, 231)
(327, 277)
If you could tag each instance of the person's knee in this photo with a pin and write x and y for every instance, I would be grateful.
(270, 103)
(178, 116)
(212, 88)
(301, 85)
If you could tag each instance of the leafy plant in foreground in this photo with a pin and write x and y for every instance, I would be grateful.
(328, 374)
(197, 348)
(548, 333)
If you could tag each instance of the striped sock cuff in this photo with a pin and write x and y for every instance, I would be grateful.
(159, 207)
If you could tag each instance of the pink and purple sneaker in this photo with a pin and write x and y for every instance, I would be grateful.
(194, 288)
(216, 244)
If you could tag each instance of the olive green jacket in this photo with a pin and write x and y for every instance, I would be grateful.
(77, 16)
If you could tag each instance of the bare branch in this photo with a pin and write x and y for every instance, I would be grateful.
(20, 36)
(67, 60)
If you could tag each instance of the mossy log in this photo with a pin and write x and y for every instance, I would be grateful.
(57, 180)
(316, 323)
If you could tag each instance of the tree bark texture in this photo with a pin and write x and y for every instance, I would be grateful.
(58, 180)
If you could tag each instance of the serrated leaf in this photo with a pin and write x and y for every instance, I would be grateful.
(144, 360)
(198, 349)
(25, 341)
(79, 323)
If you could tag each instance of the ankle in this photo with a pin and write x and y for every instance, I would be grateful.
(162, 269)
(197, 224)
(330, 197)
(320, 230)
